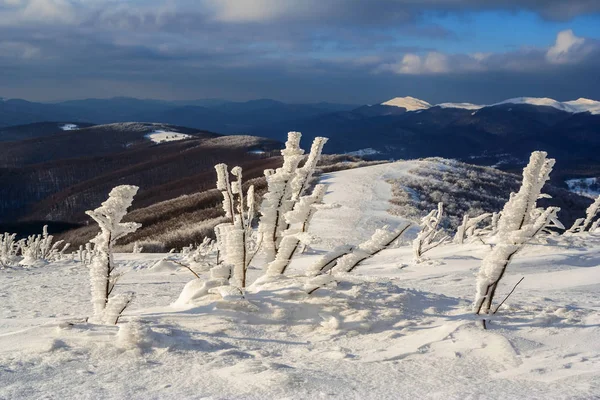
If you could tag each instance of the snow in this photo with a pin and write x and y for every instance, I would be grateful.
(584, 105)
(69, 127)
(364, 152)
(536, 101)
(466, 106)
(392, 329)
(410, 103)
(162, 136)
(573, 106)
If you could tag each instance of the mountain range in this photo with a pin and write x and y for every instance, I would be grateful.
(54, 165)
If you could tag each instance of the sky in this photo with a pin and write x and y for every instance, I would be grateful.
(347, 51)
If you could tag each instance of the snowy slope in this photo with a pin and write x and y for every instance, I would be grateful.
(410, 103)
(583, 105)
(394, 330)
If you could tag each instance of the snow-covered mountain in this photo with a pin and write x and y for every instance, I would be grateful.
(573, 106)
(408, 102)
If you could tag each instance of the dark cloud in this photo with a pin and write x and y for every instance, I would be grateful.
(343, 50)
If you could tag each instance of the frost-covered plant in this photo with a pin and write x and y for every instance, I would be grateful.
(298, 220)
(235, 240)
(9, 250)
(595, 226)
(285, 187)
(587, 223)
(329, 260)
(345, 259)
(381, 240)
(41, 249)
(430, 235)
(103, 277)
(520, 222)
(470, 228)
(205, 253)
(137, 248)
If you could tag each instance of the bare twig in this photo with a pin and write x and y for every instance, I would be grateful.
(513, 289)
(186, 266)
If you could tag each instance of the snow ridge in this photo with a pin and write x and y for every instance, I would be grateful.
(408, 102)
(573, 106)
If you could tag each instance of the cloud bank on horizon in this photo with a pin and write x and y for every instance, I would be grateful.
(339, 50)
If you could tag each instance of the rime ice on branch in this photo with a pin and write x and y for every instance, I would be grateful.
(520, 222)
(298, 220)
(103, 278)
(430, 235)
(234, 239)
(285, 186)
(587, 223)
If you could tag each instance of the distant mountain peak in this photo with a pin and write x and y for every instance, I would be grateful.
(408, 102)
(573, 106)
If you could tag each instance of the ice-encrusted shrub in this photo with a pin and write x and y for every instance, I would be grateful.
(285, 187)
(41, 249)
(521, 220)
(345, 259)
(298, 221)
(470, 228)
(235, 240)
(103, 277)
(587, 223)
(431, 235)
(380, 240)
(9, 250)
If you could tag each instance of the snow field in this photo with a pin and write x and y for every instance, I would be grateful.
(162, 136)
(393, 329)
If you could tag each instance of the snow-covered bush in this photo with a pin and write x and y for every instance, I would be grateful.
(298, 221)
(381, 240)
(430, 235)
(41, 249)
(8, 250)
(519, 223)
(235, 239)
(103, 277)
(285, 187)
(470, 228)
(587, 223)
(345, 259)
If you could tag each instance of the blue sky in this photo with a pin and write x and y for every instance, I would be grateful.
(356, 51)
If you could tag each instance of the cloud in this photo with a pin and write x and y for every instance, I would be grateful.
(567, 49)
(413, 64)
(235, 41)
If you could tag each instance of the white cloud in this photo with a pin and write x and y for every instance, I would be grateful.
(567, 49)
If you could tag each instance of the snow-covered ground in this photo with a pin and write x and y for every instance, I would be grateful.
(392, 330)
(162, 136)
(69, 127)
